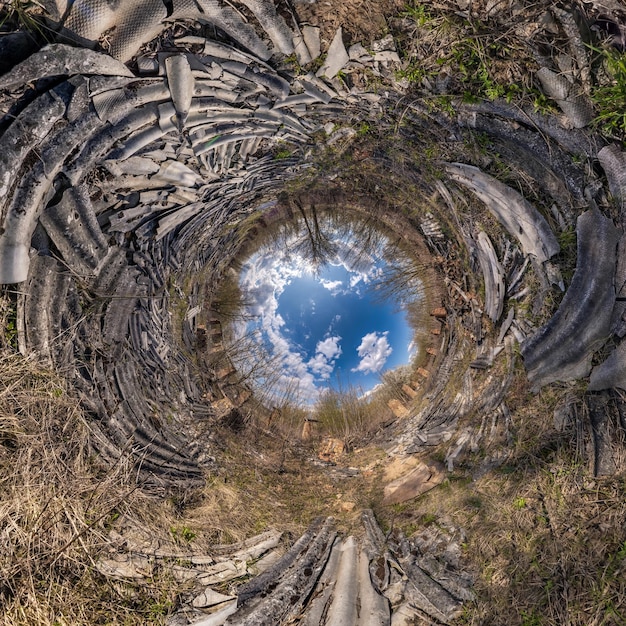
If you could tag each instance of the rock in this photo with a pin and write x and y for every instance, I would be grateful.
(125, 567)
(387, 56)
(219, 617)
(331, 449)
(222, 572)
(265, 563)
(611, 372)
(570, 97)
(563, 349)
(399, 410)
(311, 35)
(209, 598)
(357, 52)
(418, 481)
(409, 391)
(386, 43)
(336, 58)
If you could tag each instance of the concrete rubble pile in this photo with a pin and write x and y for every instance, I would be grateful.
(128, 175)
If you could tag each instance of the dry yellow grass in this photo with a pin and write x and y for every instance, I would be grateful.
(57, 505)
(545, 539)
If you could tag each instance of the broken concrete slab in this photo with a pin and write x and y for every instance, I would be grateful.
(336, 57)
(417, 481)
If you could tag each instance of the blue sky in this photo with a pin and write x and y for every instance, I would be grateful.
(325, 328)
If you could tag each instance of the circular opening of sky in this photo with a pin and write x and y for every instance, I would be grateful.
(328, 303)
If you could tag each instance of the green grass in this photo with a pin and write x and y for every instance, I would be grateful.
(610, 97)
(477, 61)
(418, 13)
(26, 15)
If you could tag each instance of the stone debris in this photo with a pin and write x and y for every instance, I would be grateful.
(115, 187)
(493, 275)
(611, 372)
(521, 220)
(336, 57)
(563, 349)
(311, 36)
(399, 410)
(331, 449)
(431, 227)
(417, 481)
(570, 97)
(326, 580)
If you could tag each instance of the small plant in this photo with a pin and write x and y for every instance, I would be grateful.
(160, 608)
(567, 238)
(427, 519)
(418, 13)
(474, 502)
(363, 129)
(182, 533)
(282, 153)
(10, 333)
(610, 98)
(530, 619)
(413, 72)
(23, 13)
(292, 61)
(520, 503)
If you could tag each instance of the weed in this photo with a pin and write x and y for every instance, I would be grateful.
(466, 58)
(418, 13)
(443, 103)
(159, 608)
(8, 319)
(10, 333)
(474, 502)
(610, 97)
(24, 13)
(282, 153)
(58, 507)
(413, 72)
(567, 239)
(363, 129)
(427, 519)
(530, 619)
(541, 103)
(292, 62)
(182, 534)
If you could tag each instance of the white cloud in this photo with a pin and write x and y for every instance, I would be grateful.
(326, 353)
(329, 347)
(374, 352)
(263, 280)
(334, 286)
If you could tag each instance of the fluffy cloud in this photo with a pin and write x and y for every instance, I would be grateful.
(374, 351)
(334, 286)
(329, 347)
(263, 280)
(326, 353)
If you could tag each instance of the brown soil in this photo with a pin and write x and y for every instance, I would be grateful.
(362, 20)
